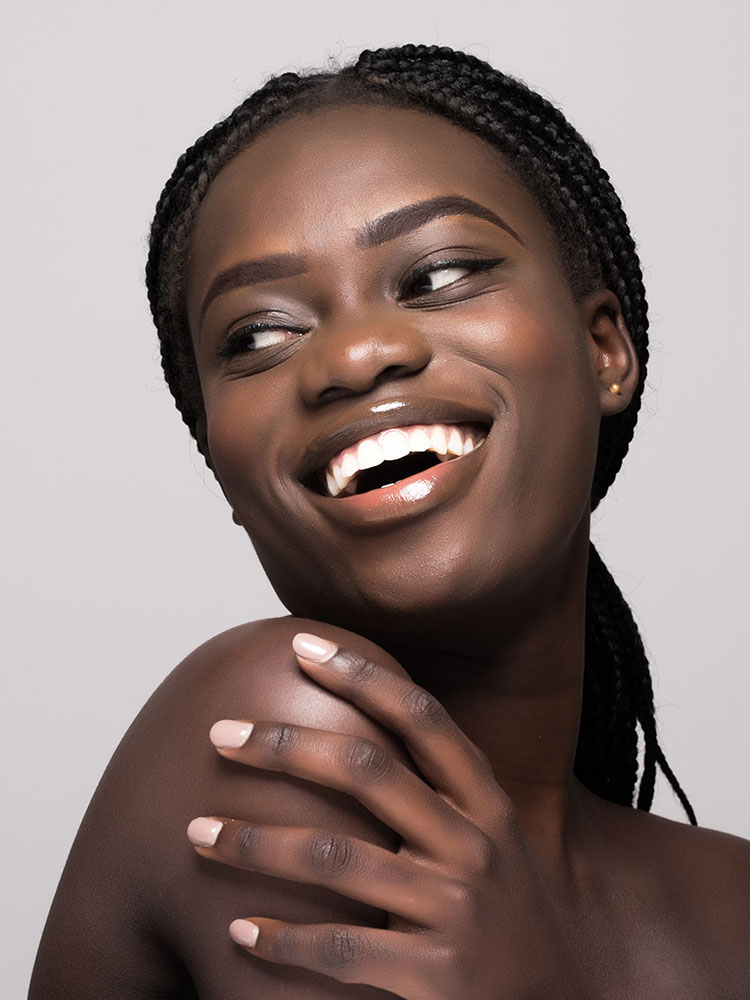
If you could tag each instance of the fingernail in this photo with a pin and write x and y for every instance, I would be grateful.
(312, 647)
(202, 832)
(244, 932)
(229, 734)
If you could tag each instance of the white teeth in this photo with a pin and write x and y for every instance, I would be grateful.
(369, 454)
(446, 441)
(395, 444)
(338, 476)
(349, 465)
(419, 439)
(455, 441)
(439, 439)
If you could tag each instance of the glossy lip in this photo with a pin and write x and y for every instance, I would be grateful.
(381, 416)
(416, 495)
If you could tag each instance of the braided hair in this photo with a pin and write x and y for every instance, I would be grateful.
(596, 250)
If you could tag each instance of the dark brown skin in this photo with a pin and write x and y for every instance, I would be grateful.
(502, 876)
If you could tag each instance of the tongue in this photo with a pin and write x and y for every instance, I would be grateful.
(391, 472)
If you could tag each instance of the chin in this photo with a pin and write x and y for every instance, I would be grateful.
(445, 577)
(440, 595)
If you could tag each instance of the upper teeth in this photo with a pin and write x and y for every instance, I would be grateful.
(446, 441)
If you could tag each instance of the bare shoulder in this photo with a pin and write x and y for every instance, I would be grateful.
(709, 866)
(252, 666)
(145, 887)
(250, 672)
(691, 889)
(712, 871)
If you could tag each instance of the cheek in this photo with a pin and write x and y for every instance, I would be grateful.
(239, 442)
(538, 346)
(536, 342)
(532, 329)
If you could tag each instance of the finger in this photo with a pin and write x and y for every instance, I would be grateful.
(352, 867)
(403, 963)
(359, 767)
(441, 751)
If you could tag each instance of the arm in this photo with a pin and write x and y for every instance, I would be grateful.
(137, 913)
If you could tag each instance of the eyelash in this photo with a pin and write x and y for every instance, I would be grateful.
(474, 265)
(232, 346)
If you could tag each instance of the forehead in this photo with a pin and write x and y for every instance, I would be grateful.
(309, 182)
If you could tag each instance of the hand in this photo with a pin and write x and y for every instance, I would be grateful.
(470, 917)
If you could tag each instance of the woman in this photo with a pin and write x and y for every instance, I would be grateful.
(401, 311)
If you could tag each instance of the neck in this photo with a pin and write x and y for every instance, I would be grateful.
(516, 693)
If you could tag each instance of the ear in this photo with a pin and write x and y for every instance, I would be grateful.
(201, 436)
(612, 351)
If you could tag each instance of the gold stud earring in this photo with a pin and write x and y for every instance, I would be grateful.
(615, 388)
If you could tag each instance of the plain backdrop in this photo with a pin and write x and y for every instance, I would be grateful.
(119, 554)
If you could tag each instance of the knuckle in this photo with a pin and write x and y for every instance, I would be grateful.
(358, 668)
(504, 819)
(281, 738)
(466, 901)
(286, 945)
(245, 840)
(459, 898)
(341, 948)
(444, 959)
(481, 854)
(424, 709)
(368, 761)
(329, 854)
(449, 973)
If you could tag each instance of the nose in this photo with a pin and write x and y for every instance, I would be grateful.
(354, 355)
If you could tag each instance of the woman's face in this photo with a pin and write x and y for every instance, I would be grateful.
(364, 269)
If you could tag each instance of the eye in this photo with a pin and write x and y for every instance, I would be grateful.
(439, 278)
(445, 274)
(254, 337)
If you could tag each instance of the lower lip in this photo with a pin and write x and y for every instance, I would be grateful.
(408, 497)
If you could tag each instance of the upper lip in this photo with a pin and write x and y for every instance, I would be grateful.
(362, 423)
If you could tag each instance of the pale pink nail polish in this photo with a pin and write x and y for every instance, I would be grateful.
(244, 932)
(312, 647)
(203, 831)
(230, 734)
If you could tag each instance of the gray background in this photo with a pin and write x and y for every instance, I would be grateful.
(119, 553)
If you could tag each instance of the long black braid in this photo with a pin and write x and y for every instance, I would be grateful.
(596, 250)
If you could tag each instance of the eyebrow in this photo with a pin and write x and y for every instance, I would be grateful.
(253, 272)
(410, 217)
(373, 234)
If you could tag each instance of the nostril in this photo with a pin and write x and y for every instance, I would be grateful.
(332, 392)
(396, 371)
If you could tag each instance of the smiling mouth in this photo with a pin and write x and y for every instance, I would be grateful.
(395, 454)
